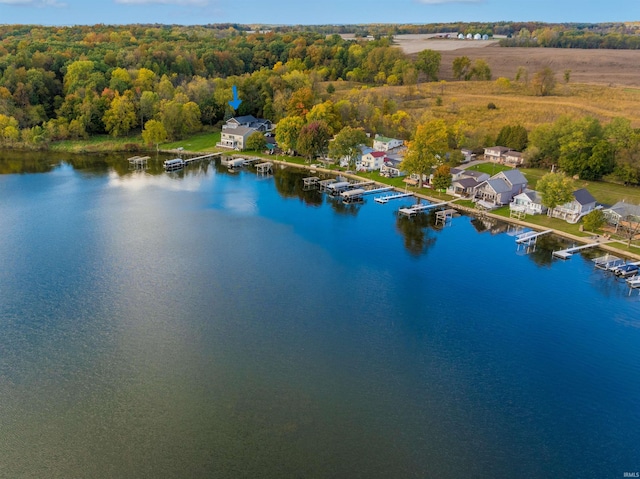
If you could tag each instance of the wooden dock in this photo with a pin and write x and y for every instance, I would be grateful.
(530, 236)
(417, 208)
(387, 198)
(569, 252)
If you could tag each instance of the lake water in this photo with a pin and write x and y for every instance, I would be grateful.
(208, 324)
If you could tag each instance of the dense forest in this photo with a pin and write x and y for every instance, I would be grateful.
(167, 82)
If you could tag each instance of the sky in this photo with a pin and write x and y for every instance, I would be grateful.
(312, 12)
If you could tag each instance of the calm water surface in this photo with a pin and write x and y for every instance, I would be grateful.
(207, 324)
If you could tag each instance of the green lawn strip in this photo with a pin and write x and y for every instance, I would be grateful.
(489, 168)
(545, 222)
(206, 141)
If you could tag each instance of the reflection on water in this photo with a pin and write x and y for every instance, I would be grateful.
(212, 324)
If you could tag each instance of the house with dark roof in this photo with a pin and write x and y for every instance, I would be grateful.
(464, 182)
(391, 167)
(500, 188)
(249, 121)
(583, 202)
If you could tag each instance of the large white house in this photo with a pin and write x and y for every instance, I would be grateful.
(237, 130)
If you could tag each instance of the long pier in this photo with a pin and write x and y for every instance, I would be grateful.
(530, 236)
(201, 157)
(415, 209)
(387, 198)
(569, 252)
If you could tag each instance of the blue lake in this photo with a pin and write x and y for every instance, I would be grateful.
(208, 324)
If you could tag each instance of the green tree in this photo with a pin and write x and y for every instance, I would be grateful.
(441, 178)
(120, 80)
(480, 70)
(427, 149)
(287, 133)
(313, 139)
(583, 150)
(256, 141)
(149, 105)
(555, 189)
(121, 115)
(594, 220)
(513, 136)
(347, 144)
(544, 82)
(461, 68)
(428, 62)
(154, 133)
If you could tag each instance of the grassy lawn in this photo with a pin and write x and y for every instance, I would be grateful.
(546, 222)
(603, 192)
(200, 142)
(489, 168)
(101, 143)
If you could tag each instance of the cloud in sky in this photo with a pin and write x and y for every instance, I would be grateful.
(192, 3)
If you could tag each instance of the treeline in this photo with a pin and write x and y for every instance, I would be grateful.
(622, 36)
(71, 82)
(588, 149)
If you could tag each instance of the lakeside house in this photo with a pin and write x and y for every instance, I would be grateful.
(464, 182)
(391, 167)
(357, 160)
(372, 160)
(528, 202)
(500, 188)
(583, 203)
(237, 130)
(622, 214)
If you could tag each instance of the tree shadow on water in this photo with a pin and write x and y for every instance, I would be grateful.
(416, 231)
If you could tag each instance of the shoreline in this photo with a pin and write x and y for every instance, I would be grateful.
(604, 245)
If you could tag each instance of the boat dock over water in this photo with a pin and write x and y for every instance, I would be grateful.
(201, 157)
(387, 198)
(569, 252)
(415, 209)
(530, 236)
(138, 161)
